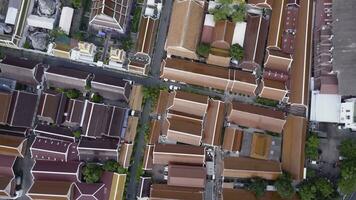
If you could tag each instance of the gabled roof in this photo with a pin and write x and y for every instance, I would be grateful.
(241, 167)
(54, 132)
(185, 28)
(166, 153)
(213, 123)
(262, 3)
(5, 101)
(255, 41)
(125, 154)
(231, 194)
(186, 176)
(54, 190)
(223, 34)
(84, 191)
(110, 14)
(146, 35)
(53, 150)
(256, 117)
(51, 106)
(163, 191)
(22, 110)
(46, 170)
(7, 187)
(12, 145)
(148, 157)
(232, 139)
(294, 136)
(98, 149)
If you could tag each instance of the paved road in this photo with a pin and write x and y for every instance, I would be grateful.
(139, 151)
(158, 52)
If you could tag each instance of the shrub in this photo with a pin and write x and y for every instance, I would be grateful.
(203, 50)
(127, 44)
(284, 186)
(92, 173)
(96, 98)
(77, 133)
(77, 3)
(236, 52)
(258, 186)
(347, 182)
(311, 147)
(72, 93)
(317, 188)
(110, 166)
(348, 148)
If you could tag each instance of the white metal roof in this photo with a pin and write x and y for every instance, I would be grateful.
(40, 22)
(11, 16)
(65, 21)
(325, 107)
(239, 33)
(209, 20)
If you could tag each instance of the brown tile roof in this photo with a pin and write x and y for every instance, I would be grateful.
(213, 123)
(148, 157)
(131, 129)
(167, 153)
(146, 35)
(165, 100)
(191, 97)
(276, 60)
(23, 107)
(207, 34)
(74, 110)
(125, 155)
(231, 194)
(209, 76)
(155, 131)
(276, 24)
(300, 66)
(54, 190)
(241, 167)
(12, 145)
(274, 89)
(232, 139)
(46, 170)
(256, 117)
(185, 125)
(163, 191)
(262, 3)
(223, 34)
(185, 28)
(186, 176)
(261, 144)
(255, 41)
(294, 137)
(7, 187)
(5, 101)
(50, 105)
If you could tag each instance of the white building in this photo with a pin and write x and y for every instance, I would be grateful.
(117, 58)
(85, 52)
(325, 107)
(348, 114)
(65, 21)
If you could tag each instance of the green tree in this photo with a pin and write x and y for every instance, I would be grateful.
(311, 147)
(92, 173)
(347, 182)
(121, 170)
(348, 148)
(96, 98)
(77, 133)
(239, 13)
(316, 188)
(257, 186)
(236, 52)
(151, 93)
(284, 186)
(110, 166)
(72, 93)
(77, 4)
(127, 44)
(203, 50)
(57, 32)
(27, 45)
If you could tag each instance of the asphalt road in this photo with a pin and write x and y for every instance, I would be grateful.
(131, 190)
(158, 52)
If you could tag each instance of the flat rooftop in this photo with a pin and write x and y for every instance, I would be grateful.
(344, 42)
